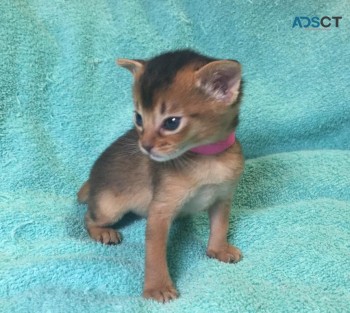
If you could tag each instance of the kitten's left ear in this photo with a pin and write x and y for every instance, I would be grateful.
(134, 66)
(220, 79)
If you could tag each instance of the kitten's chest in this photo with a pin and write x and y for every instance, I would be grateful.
(213, 181)
(204, 197)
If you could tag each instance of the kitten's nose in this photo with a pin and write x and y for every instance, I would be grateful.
(147, 147)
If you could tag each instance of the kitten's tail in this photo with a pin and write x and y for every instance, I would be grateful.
(83, 193)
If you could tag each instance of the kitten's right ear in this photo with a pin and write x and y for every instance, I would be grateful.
(134, 66)
(220, 80)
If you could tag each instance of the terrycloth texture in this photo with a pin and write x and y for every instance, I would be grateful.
(63, 100)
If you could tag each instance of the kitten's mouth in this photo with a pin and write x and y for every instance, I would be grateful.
(164, 158)
(159, 158)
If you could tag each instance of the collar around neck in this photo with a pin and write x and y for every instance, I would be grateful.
(216, 147)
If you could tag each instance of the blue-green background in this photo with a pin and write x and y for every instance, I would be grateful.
(63, 100)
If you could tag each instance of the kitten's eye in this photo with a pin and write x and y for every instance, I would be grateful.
(171, 123)
(138, 119)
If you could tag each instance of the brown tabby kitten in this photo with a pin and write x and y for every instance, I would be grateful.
(182, 100)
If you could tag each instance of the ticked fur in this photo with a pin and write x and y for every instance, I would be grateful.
(166, 179)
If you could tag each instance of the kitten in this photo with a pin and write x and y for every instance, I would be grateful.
(181, 157)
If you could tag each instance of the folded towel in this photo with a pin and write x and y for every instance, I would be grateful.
(63, 101)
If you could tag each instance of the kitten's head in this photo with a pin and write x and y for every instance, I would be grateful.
(183, 100)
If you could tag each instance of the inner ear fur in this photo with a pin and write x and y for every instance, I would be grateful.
(220, 80)
(134, 66)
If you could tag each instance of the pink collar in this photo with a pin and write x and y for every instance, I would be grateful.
(217, 147)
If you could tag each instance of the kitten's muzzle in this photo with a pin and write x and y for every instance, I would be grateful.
(154, 156)
(151, 151)
(147, 148)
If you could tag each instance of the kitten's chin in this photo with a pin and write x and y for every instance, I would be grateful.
(164, 158)
(159, 158)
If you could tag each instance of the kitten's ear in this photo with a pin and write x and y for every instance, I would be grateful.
(134, 66)
(220, 79)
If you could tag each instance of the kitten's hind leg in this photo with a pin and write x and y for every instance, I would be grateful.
(103, 212)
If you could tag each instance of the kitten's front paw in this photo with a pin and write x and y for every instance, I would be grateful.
(107, 236)
(228, 254)
(161, 294)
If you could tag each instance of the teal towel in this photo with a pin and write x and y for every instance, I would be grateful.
(63, 101)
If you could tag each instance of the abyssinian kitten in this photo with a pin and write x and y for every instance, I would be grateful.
(181, 157)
